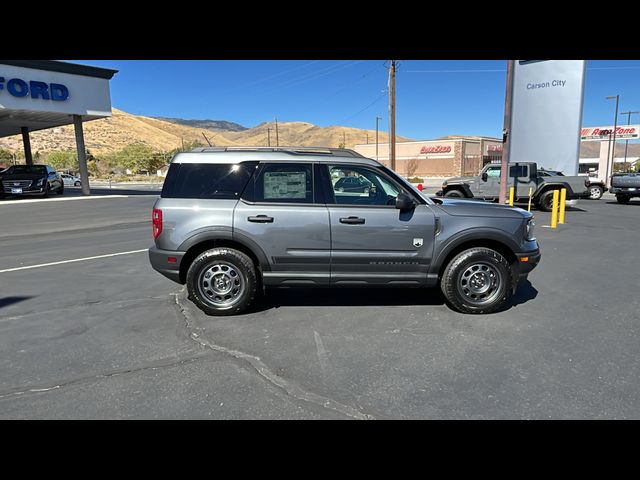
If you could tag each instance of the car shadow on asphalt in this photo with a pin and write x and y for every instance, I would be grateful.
(348, 297)
(371, 297)
(631, 203)
(6, 301)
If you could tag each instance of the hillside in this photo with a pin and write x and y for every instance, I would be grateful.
(213, 125)
(114, 133)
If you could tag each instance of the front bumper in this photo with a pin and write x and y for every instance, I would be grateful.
(523, 268)
(160, 261)
(7, 190)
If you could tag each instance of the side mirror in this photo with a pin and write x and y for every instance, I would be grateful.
(404, 202)
(485, 177)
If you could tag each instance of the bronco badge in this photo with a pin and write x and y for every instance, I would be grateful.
(417, 242)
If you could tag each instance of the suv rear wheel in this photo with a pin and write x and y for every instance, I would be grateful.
(623, 199)
(545, 202)
(454, 193)
(222, 281)
(477, 280)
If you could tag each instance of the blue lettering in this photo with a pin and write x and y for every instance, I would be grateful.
(12, 85)
(19, 88)
(59, 92)
(39, 89)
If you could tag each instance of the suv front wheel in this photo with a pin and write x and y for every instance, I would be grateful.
(477, 280)
(222, 281)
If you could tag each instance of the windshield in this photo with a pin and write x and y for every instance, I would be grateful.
(18, 169)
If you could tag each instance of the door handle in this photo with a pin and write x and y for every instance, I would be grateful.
(261, 219)
(352, 220)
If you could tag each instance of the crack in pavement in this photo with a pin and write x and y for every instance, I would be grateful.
(115, 373)
(262, 369)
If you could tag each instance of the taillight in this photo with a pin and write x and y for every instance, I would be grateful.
(156, 221)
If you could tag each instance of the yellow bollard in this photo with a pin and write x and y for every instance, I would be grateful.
(530, 194)
(563, 199)
(511, 192)
(554, 211)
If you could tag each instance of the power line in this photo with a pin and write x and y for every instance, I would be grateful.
(384, 94)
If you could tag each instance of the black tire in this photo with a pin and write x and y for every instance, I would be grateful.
(204, 297)
(595, 192)
(623, 199)
(461, 271)
(60, 190)
(46, 191)
(77, 184)
(545, 202)
(454, 193)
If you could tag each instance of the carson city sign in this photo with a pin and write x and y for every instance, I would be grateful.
(624, 132)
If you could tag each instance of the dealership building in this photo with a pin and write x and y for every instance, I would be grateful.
(447, 157)
(40, 94)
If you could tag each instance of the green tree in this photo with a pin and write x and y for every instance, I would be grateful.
(63, 160)
(5, 155)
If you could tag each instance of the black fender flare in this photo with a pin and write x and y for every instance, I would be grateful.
(477, 234)
(552, 186)
(458, 186)
(226, 233)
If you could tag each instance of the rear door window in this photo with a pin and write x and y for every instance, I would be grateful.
(284, 183)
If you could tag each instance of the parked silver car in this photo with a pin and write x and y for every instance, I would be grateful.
(71, 180)
(231, 221)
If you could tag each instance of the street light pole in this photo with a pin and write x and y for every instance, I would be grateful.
(377, 119)
(613, 149)
(506, 133)
(626, 142)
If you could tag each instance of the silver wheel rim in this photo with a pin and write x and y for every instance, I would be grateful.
(480, 283)
(595, 192)
(221, 284)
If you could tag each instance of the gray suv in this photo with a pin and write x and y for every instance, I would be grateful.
(231, 221)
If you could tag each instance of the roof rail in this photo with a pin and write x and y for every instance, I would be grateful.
(337, 152)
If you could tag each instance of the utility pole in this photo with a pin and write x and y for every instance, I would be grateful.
(377, 119)
(268, 137)
(367, 134)
(504, 164)
(613, 149)
(344, 140)
(392, 114)
(626, 142)
(277, 136)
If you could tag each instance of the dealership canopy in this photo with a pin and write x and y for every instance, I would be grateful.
(41, 94)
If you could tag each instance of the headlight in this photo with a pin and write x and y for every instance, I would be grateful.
(40, 182)
(529, 230)
(444, 184)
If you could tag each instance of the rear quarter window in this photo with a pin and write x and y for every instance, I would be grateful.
(207, 181)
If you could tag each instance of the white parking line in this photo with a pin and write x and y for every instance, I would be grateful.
(72, 261)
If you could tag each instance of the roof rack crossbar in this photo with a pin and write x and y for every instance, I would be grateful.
(338, 152)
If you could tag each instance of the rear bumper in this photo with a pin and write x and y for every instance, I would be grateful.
(160, 262)
(625, 191)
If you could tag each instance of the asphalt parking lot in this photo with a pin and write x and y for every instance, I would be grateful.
(104, 336)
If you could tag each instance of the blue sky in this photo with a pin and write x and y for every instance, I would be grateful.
(434, 97)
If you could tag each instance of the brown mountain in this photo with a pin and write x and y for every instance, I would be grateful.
(114, 133)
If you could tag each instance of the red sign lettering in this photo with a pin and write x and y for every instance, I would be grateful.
(436, 149)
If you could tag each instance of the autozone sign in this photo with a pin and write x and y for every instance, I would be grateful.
(494, 148)
(602, 133)
(436, 149)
